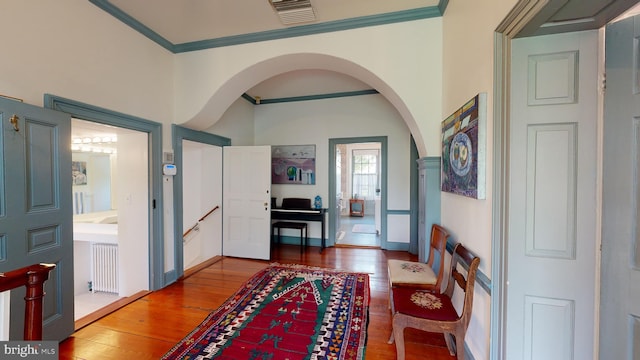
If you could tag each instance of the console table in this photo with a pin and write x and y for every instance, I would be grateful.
(356, 207)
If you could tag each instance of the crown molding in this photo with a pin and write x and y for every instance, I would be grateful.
(295, 31)
(252, 100)
(133, 23)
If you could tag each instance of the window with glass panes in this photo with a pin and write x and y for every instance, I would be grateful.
(365, 173)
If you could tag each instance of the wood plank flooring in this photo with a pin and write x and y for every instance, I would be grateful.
(148, 327)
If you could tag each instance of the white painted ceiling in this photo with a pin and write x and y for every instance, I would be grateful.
(182, 21)
(185, 21)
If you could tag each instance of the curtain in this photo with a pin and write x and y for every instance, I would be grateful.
(365, 173)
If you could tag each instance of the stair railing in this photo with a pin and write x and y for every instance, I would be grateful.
(33, 277)
(195, 226)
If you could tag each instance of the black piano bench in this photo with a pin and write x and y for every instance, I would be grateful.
(302, 226)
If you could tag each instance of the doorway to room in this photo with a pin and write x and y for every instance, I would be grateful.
(110, 203)
(358, 183)
(201, 202)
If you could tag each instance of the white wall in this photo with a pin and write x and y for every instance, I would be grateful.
(316, 121)
(468, 30)
(236, 123)
(73, 49)
(133, 212)
(402, 61)
(202, 191)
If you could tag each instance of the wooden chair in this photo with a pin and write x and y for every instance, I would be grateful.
(426, 276)
(435, 312)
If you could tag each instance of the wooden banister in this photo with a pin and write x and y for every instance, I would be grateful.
(33, 277)
(200, 220)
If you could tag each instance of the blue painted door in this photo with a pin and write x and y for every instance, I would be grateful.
(35, 209)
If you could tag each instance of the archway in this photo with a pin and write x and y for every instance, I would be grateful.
(236, 85)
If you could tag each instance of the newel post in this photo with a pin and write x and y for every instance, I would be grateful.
(36, 276)
(33, 277)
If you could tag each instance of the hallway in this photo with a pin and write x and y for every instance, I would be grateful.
(347, 237)
(150, 326)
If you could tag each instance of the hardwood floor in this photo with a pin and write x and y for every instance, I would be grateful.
(148, 327)
(349, 238)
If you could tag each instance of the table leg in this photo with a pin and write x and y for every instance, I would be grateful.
(322, 239)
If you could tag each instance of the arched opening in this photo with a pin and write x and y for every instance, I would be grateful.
(231, 90)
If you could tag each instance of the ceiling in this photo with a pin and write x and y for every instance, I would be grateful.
(198, 21)
(186, 21)
(176, 22)
(560, 16)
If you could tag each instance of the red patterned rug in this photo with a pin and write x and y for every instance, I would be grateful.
(286, 312)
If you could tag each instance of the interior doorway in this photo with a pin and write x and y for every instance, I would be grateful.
(201, 202)
(110, 203)
(358, 183)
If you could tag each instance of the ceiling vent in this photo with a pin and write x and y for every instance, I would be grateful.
(294, 11)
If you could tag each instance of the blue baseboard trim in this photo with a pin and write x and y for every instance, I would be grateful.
(396, 246)
(295, 240)
(467, 353)
(170, 277)
(482, 279)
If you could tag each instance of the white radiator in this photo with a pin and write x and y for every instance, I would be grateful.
(104, 268)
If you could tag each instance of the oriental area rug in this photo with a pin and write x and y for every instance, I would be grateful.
(286, 312)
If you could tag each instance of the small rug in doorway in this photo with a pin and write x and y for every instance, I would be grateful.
(286, 312)
(364, 228)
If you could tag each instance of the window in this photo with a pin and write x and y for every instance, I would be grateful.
(365, 173)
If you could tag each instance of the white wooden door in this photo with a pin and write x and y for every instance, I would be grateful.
(246, 229)
(552, 198)
(620, 291)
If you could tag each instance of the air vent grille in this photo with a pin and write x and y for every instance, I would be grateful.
(294, 11)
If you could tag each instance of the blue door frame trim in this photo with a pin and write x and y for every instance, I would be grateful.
(383, 184)
(108, 117)
(178, 134)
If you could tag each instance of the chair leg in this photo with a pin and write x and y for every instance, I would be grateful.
(306, 237)
(391, 307)
(391, 338)
(301, 241)
(460, 346)
(448, 338)
(398, 334)
(273, 236)
(393, 312)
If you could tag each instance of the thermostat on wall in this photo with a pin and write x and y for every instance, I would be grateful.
(169, 169)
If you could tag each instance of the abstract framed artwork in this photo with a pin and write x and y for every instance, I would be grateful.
(293, 164)
(464, 149)
(79, 172)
